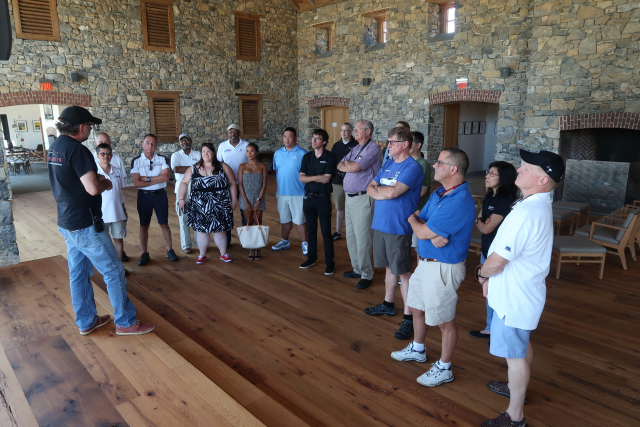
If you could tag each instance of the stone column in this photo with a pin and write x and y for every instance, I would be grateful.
(8, 246)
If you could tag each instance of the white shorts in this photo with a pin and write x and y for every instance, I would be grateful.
(290, 209)
(117, 230)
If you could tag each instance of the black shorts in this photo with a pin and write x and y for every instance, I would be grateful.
(148, 201)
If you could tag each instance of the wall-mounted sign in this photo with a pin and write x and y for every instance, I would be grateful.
(45, 86)
(462, 83)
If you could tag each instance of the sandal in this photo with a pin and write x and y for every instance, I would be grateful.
(257, 257)
(251, 255)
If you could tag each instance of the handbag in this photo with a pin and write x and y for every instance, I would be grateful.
(253, 236)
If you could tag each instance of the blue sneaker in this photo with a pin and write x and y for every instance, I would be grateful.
(305, 248)
(282, 244)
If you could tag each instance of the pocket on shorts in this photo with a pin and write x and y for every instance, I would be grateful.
(452, 275)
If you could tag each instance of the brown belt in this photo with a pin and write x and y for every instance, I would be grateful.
(427, 259)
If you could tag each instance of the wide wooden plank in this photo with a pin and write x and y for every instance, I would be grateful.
(14, 408)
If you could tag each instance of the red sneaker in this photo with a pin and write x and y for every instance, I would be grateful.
(136, 329)
(225, 258)
(201, 259)
(100, 321)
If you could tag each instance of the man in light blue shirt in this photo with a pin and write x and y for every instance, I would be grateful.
(290, 194)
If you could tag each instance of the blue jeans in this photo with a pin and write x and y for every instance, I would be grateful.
(85, 249)
(489, 309)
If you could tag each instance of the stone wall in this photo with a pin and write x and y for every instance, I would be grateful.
(102, 39)
(8, 247)
(565, 57)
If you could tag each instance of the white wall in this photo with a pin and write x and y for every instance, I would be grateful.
(30, 113)
(474, 144)
(490, 139)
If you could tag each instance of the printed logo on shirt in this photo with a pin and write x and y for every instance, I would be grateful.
(390, 181)
(507, 248)
(491, 208)
(322, 161)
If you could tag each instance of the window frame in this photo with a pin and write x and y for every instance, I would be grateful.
(329, 27)
(145, 33)
(444, 8)
(55, 24)
(381, 16)
(153, 95)
(250, 17)
(251, 97)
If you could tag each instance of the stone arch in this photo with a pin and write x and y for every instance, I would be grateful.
(44, 97)
(475, 95)
(600, 120)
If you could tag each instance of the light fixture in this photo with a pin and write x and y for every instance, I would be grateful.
(235, 84)
(75, 76)
(504, 72)
(367, 81)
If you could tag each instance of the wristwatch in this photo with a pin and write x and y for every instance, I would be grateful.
(148, 179)
(259, 199)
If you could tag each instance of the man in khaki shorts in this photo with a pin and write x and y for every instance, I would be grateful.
(444, 230)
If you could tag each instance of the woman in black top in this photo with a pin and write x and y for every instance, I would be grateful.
(500, 183)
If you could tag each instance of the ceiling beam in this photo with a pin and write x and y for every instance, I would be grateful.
(312, 3)
(296, 6)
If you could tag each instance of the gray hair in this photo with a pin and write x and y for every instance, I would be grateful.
(348, 124)
(66, 128)
(367, 125)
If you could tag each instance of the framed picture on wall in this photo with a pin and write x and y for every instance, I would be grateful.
(22, 125)
(461, 128)
(483, 127)
(467, 128)
(48, 111)
(36, 125)
(474, 128)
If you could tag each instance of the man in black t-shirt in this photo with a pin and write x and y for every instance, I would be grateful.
(77, 190)
(317, 169)
(341, 148)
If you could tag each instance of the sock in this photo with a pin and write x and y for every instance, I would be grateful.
(418, 347)
(444, 365)
(408, 317)
(388, 304)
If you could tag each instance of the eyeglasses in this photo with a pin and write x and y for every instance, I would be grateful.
(391, 142)
(491, 174)
(91, 125)
(439, 163)
(150, 165)
(105, 154)
(316, 138)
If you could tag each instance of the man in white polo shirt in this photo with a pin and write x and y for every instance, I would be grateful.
(182, 160)
(513, 277)
(113, 213)
(150, 173)
(233, 152)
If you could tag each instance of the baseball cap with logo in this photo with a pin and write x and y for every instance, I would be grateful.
(76, 115)
(551, 163)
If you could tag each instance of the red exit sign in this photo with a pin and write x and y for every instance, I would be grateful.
(462, 85)
(45, 86)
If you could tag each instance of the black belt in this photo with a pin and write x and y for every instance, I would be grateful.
(356, 194)
(428, 259)
(153, 191)
(316, 195)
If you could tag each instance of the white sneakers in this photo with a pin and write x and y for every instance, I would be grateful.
(437, 375)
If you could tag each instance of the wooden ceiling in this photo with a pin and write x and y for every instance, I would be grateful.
(305, 5)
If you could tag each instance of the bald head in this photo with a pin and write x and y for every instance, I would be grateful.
(102, 138)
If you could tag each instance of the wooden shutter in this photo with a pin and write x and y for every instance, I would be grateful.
(157, 25)
(36, 20)
(164, 112)
(251, 115)
(247, 36)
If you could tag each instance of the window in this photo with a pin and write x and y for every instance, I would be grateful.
(448, 18)
(247, 36)
(36, 20)
(164, 112)
(157, 25)
(324, 38)
(250, 115)
(378, 28)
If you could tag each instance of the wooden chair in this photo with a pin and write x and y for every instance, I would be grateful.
(560, 215)
(577, 249)
(578, 210)
(476, 242)
(478, 199)
(38, 153)
(617, 237)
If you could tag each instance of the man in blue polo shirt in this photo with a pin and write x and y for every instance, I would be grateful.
(444, 230)
(290, 193)
(396, 190)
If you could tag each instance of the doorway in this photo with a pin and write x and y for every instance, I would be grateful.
(332, 120)
(451, 122)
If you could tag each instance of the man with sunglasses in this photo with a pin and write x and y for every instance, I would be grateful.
(443, 228)
(513, 277)
(150, 173)
(77, 189)
(396, 191)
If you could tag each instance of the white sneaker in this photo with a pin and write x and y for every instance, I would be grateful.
(408, 354)
(282, 244)
(305, 248)
(437, 375)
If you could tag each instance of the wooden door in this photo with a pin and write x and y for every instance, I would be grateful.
(451, 119)
(332, 120)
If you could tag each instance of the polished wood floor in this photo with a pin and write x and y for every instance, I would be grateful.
(294, 347)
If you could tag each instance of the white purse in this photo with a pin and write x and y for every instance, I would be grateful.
(253, 236)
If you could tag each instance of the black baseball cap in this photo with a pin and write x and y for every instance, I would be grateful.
(551, 163)
(76, 115)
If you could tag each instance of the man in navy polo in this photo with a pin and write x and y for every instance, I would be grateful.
(444, 230)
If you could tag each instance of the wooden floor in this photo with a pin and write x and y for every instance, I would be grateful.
(294, 347)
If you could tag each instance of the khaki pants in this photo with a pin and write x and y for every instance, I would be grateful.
(358, 218)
